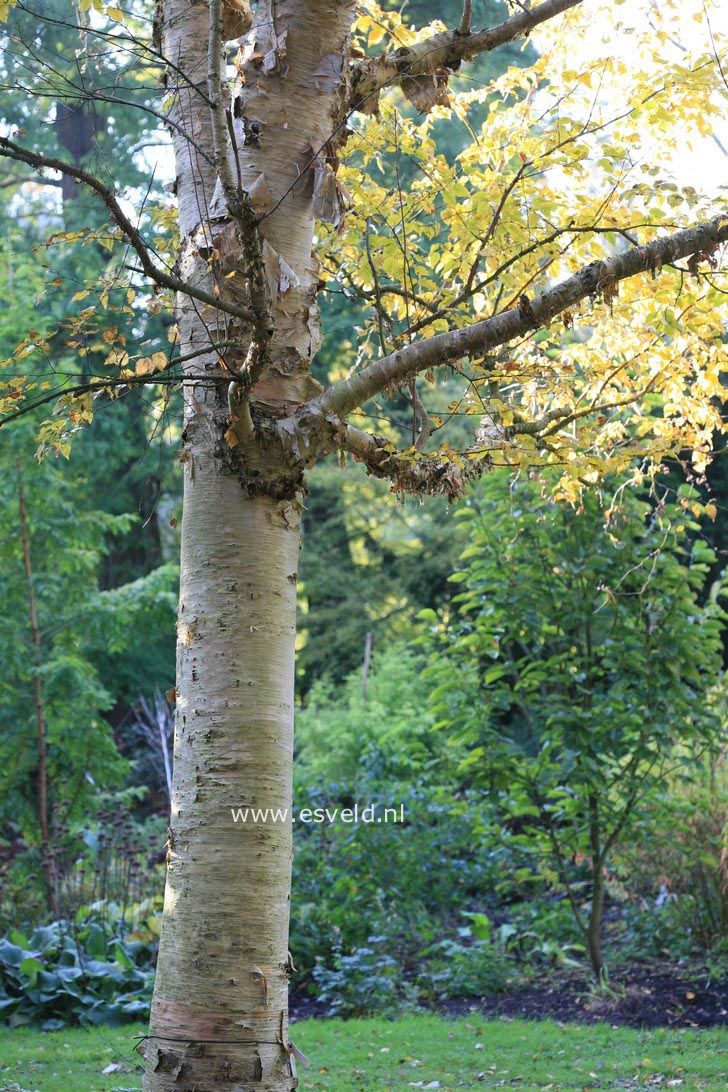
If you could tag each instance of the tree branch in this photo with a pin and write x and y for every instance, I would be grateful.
(435, 474)
(19, 180)
(439, 55)
(464, 27)
(429, 475)
(10, 150)
(482, 337)
(102, 383)
(218, 122)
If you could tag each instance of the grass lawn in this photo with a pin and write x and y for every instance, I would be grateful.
(414, 1052)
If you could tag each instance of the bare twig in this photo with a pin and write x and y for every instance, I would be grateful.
(464, 27)
(18, 180)
(377, 290)
(10, 150)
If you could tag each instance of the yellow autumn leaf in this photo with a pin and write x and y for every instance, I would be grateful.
(376, 32)
(157, 362)
(117, 358)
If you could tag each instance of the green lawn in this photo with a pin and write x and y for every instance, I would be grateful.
(414, 1052)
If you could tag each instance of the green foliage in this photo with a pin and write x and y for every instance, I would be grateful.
(366, 981)
(93, 523)
(87, 661)
(87, 971)
(455, 969)
(398, 880)
(407, 882)
(679, 872)
(344, 736)
(131, 635)
(66, 546)
(494, 953)
(368, 564)
(541, 933)
(547, 671)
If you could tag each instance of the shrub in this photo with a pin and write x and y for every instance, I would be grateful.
(89, 971)
(365, 981)
(679, 874)
(456, 969)
(548, 672)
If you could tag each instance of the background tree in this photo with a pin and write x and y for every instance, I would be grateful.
(55, 747)
(96, 525)
(478, 254)
(575, 669)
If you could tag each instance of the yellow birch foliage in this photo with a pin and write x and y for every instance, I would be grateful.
(461, 213)
(579, 156)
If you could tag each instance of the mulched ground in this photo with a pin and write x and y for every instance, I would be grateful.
(656, 997)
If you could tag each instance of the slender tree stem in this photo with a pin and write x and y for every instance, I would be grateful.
(40, 717)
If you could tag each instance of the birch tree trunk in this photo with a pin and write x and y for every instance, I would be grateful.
(220, 1001)
(219, 1015)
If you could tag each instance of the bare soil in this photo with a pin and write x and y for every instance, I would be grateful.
(654, 996)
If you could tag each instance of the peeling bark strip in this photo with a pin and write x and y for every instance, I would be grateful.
(532, 314)
(422, 70)
(428, 476)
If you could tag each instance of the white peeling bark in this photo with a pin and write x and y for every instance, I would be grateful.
(219, 1018)
(285, 109)
(219, 1014)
